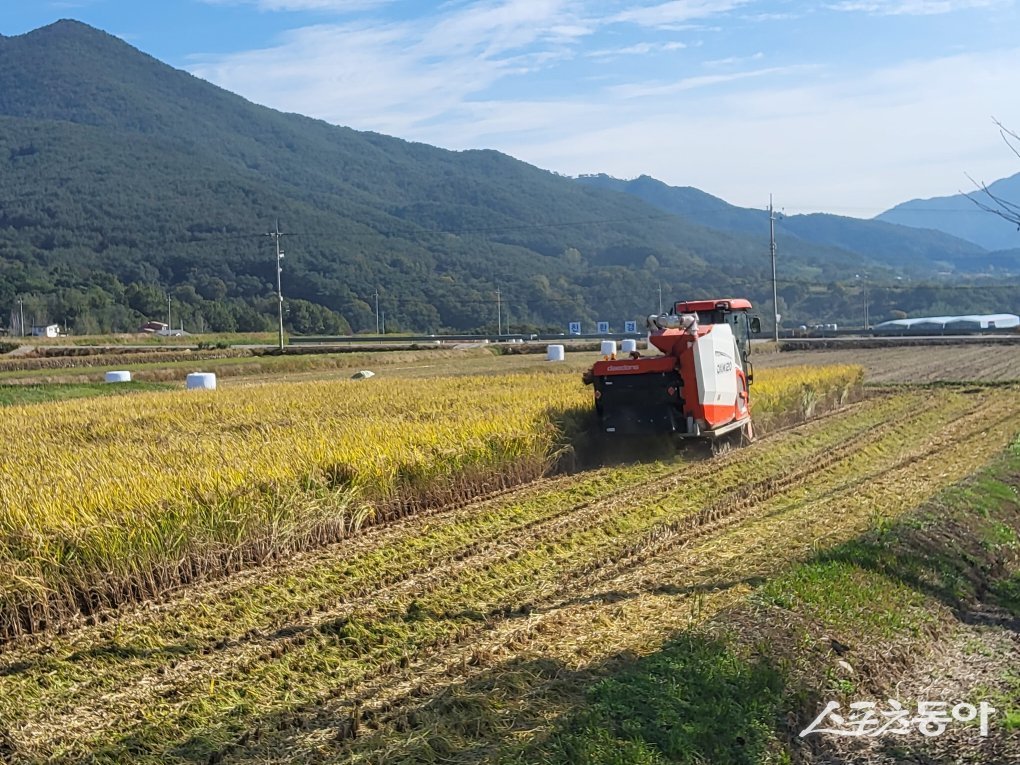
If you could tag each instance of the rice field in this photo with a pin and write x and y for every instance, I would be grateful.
(118, 499)
(471, 635)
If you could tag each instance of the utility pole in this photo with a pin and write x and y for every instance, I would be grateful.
(384, 322)
(21, 309)
(864, 290)
(279, 277)
(660, 298)
(867, 319)
(775, 287)
(499, 313)
(169, 324)
(377, 310)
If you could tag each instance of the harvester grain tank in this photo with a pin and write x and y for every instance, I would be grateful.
(697, 387)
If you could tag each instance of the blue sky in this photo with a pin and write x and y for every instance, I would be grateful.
(847, 106)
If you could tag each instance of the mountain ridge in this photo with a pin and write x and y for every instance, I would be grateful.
(959, 216)
(913, 246)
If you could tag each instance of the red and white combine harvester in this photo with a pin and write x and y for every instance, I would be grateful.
(698, 387)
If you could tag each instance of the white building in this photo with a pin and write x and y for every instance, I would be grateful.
(48, 330)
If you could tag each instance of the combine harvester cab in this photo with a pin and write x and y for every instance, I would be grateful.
(697, 387)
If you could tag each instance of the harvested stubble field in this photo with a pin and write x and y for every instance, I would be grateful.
(457, 632)
(960, 363)
(12, 367)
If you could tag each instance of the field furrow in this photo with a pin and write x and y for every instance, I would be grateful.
(508, 679)
(385, 620)
(961, 362)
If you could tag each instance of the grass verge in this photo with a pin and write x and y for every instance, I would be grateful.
(16, 395)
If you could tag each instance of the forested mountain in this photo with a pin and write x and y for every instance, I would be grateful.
(960, 217)
(122, 178)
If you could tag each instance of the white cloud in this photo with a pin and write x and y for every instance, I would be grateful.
(338, 6)
(393, 77)
(786, 16)
(668, 15)
(856, 141)
(854, 145)
(65, 5)
(910, 7)
(721, 63)
(638, 49)
(657, 90)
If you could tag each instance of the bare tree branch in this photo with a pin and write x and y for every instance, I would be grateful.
(1005, 209)
(1008, 134)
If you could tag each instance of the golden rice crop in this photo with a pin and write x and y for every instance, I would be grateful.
(101, 503)
(782, 395)
(115, 499)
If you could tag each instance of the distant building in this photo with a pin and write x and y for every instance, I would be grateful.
(161, 328)
(951, 323)
(47, 330)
